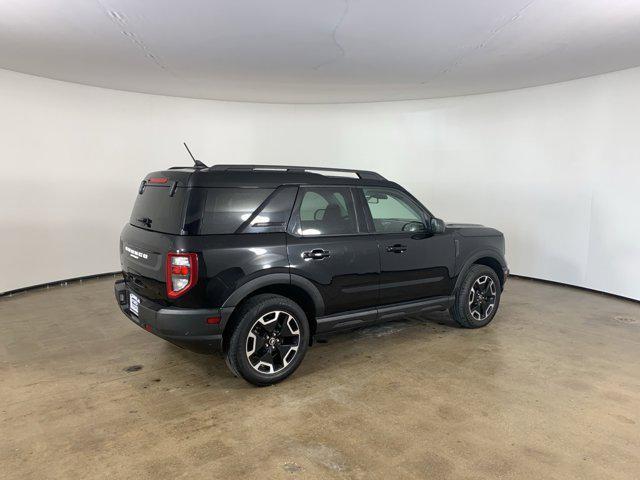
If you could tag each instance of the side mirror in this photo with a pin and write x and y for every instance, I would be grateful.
(414, 227)
(437, 225)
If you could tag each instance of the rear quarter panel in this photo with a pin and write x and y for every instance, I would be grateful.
(225, 262)
(230, 261)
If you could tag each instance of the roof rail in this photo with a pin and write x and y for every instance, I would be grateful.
(364, 174)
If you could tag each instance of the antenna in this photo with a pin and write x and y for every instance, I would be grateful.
(198, 163)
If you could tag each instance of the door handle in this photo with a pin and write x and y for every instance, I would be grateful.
(316, 254)
(397, 248)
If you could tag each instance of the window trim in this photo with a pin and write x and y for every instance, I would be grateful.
(294, 221)
(426, 216)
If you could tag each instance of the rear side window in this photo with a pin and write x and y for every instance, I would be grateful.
(326, 211)
(274, 214)
(226, 209)
(155, 210)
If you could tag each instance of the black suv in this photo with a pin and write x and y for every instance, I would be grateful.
(256, 261)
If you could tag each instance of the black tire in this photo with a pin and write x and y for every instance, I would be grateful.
(255, 318)
(467, 308)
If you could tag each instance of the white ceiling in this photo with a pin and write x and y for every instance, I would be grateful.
(318, 50)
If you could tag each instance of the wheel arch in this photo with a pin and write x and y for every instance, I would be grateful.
(491, 258)
(495, 265)
(294, 287)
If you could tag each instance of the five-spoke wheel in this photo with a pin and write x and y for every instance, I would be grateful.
(273, 341)
(482, 297)
(269, 340)
(478, 297)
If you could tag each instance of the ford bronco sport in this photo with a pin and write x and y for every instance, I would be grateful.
(256, 261)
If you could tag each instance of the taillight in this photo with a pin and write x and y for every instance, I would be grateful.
(182, 273)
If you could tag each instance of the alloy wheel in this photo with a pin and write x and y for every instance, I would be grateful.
(273, 342)
(482, 298)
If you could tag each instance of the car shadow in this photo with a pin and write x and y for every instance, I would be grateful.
(212, 369)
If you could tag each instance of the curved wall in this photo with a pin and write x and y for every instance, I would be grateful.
(555, 167)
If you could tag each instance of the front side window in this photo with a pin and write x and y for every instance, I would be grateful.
(393, 212)
(326, 211)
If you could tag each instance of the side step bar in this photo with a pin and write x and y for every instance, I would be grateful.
(330, 323)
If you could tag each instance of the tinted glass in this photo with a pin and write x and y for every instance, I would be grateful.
(392, 211)
(226, 209)
(327, 211)
(274, 215)
(155, 210)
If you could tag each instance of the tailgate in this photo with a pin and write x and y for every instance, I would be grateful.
(157, 219)
(143, 256)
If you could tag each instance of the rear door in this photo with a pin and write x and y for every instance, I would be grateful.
(414, 264)
(328, 245)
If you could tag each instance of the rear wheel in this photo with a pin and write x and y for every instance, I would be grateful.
(478, 297)
(269, 341)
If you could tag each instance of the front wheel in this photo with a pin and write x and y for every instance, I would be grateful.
(269, 341)
(478, 297)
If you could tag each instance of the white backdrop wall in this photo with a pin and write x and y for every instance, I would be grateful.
(555, 168)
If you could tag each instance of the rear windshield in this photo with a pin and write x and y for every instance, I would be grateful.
(155, 210)
(226, 209)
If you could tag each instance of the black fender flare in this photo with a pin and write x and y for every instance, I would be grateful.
(246, 289)
(311, 290)
(491, 253)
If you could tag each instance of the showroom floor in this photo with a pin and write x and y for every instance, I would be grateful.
(551, 389)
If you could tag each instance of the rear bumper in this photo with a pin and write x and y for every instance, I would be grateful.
(187, 328)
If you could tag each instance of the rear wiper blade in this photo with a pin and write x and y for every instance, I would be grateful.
(146, 221)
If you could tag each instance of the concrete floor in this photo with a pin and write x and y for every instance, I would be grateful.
(551, 389)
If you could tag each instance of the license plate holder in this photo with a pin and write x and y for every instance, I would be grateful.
(134, 303)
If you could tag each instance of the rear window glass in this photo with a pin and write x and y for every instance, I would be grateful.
(155, 210)
(226, 209)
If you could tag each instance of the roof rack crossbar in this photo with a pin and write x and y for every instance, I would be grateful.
(364, 174)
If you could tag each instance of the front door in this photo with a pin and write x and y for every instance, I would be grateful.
(328, 245)
(414, 264)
